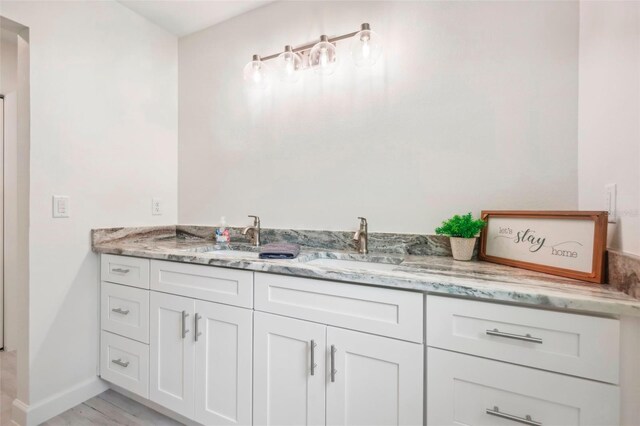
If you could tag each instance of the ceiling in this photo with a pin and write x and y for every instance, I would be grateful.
(182, 17)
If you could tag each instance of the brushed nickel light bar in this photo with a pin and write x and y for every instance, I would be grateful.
(320, 56)
(309, 46)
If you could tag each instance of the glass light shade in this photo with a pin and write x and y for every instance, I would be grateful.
(323, 58)
(256, 73)
(366, 47)
(289, 65)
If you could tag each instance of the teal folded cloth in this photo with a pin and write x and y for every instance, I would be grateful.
(279, 251)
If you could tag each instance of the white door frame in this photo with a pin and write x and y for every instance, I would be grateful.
(2, 221)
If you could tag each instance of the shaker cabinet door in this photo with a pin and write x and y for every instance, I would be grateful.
(375, 380)
(172, 352)
(223, 339)
(289, 371)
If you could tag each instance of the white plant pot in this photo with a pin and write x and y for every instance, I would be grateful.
(462, 248)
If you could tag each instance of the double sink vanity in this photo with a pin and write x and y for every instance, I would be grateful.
(221, 337)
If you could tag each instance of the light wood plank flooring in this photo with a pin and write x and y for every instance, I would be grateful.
(7, 385)
(111, 409)
(107, 409)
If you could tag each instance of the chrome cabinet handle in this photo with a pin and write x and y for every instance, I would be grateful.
(527, 420)
(120, 311)
(196, 333)
(184, 324)
(120, 270)
(313, 357)
(526, 338)
(120, 362)
(333, 363)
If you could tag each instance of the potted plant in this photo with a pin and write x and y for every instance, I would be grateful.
(463, 233)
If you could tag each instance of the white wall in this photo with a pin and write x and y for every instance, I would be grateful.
(473, 106)
(104, 132)
(609, 120)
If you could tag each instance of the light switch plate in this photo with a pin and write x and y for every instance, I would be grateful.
(610, 201)
(61, 206)
(156, 206)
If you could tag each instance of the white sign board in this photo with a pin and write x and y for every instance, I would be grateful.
(570, 244)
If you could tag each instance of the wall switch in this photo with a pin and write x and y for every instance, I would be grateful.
(60, 206)
(156, 206)
(610, 201)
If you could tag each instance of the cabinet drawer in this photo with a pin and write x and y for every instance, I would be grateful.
(386, 312)
(578, 345)
(229, 286)
(125, 270)
(466, 390)
(125, 362)
(125, 311)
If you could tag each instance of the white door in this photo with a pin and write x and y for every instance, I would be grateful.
(287, 389)
(172, 352)
(223, 339)
(376, 380)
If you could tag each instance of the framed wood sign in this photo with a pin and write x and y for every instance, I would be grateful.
(566, 243)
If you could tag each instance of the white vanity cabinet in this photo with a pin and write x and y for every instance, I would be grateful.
(201, 359)
(311, 374)
(222, 346)
(191, 356)
(334, 371)
(547, 379)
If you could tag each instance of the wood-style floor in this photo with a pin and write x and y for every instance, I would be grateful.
(107, 409)
(111, 409)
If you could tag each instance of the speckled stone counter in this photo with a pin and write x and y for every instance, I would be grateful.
(429, 271)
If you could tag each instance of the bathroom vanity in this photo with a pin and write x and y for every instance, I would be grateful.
(331, 338)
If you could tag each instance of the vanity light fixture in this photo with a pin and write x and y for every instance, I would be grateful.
(289, 63)
(256, 72)
(366, 47)
(321, 56)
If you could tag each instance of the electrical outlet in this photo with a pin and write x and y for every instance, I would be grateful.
(610, 194)
(60, 206)
(156, 206)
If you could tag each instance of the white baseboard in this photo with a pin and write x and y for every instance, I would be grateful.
(34, 414)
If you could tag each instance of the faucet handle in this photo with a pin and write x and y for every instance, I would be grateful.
(256, 220)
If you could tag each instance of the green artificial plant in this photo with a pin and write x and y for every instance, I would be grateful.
(461, 226)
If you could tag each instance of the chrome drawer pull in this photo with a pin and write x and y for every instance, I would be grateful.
(184, 324)
(120, 362)
(120, 270)
(120, 311)
(525, 338)
(197, 333)
(527, 420)
(333, 363)
(313, 357)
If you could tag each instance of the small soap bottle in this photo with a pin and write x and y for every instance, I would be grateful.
(222, 233)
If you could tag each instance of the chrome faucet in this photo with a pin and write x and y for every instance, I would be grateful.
(253, 231)
(361, 237)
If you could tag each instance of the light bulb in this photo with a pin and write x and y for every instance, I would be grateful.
(366, 47)
(256, 73)
(323, 58)
(289, 65)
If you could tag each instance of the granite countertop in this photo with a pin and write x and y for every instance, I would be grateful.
(431, 274)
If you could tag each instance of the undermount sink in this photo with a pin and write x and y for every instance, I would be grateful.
(227, 252)
(352, 264)
(233, 253)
